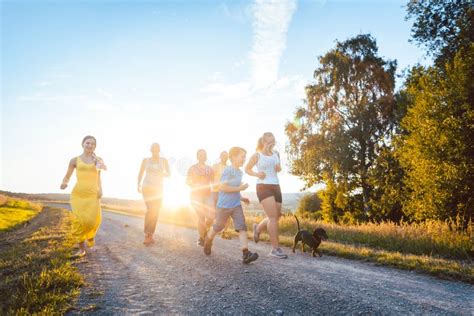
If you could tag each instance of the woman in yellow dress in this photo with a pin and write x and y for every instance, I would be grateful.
(85, 197)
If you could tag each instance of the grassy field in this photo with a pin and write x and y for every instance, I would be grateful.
(437, 248)
(14, 212)
(36, 272)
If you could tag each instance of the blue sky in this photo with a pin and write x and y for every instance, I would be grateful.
(186, 74)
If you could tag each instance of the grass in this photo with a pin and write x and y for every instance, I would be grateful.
(434, 247)
(14, 212)
(37, 275)
(431, 238)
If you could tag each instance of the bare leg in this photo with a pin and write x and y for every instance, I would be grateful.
(244, 244)
(273, 214)
(262, 226)
(211, 234)
(201, 226)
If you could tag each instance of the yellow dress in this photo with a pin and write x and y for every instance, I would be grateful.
(85, 201)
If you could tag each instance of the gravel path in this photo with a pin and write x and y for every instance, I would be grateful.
(175, 277)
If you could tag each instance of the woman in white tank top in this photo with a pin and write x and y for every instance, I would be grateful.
(269, 195)
(154, 168)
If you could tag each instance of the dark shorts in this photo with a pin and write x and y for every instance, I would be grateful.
(267, 190)
(223, 214)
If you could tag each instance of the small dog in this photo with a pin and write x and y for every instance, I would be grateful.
(312, 240)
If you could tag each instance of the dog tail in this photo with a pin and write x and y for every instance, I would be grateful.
(297, 222)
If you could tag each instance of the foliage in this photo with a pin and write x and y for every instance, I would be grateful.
(349, 112)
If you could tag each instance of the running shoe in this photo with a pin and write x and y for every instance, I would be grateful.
(256, 235)
(278, 253)
(79, 254)
(207, 246)
(249, 257)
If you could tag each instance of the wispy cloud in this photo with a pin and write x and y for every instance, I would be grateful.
(52, 98)
(270, 26)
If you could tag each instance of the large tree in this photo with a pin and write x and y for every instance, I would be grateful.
(436, 148)
(347, 115)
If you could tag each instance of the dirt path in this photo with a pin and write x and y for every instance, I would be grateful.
(174, 276)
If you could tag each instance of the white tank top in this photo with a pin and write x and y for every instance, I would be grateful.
(267, 164)
(154, 174)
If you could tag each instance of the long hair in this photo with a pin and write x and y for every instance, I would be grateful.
(260, 144)
(261, 139)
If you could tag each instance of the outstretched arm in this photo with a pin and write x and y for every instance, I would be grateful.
(70, 170)
(140, 176)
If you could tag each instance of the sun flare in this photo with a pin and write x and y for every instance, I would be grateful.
(176, 192)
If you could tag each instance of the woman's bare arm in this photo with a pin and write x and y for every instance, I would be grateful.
(140, 175)
(70, 170)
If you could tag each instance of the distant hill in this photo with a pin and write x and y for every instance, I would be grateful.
(290, 200)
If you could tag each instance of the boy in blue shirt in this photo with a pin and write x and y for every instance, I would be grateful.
(228, 204)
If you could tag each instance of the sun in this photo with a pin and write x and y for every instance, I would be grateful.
(176, 192)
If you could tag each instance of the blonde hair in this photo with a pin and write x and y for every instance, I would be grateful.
(260, 140)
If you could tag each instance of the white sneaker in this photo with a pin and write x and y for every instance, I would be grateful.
(278, 253)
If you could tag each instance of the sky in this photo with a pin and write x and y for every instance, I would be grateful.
(185, 74)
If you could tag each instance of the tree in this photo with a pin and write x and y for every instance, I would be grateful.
(348, 112)
(310, 204)
(443, 26)
(437, 148)
(386, 179)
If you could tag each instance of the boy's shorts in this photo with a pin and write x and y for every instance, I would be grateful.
(223, 214)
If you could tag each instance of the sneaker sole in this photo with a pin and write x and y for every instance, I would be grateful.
(279, 257)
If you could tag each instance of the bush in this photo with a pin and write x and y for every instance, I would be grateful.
(310, 206)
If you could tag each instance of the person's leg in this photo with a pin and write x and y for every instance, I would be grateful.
(210, 211)
(263, 225)
(221, 217)
(238, 218)
(271, 210)
(151, 227)
(82, 250)
(244, 244)
(201, 223)
(262, 194)
(148, 198)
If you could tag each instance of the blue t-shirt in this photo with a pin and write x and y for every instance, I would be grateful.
(233, 177)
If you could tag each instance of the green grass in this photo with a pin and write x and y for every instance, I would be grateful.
(37, 274)
(431, 238)
(14, 212)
